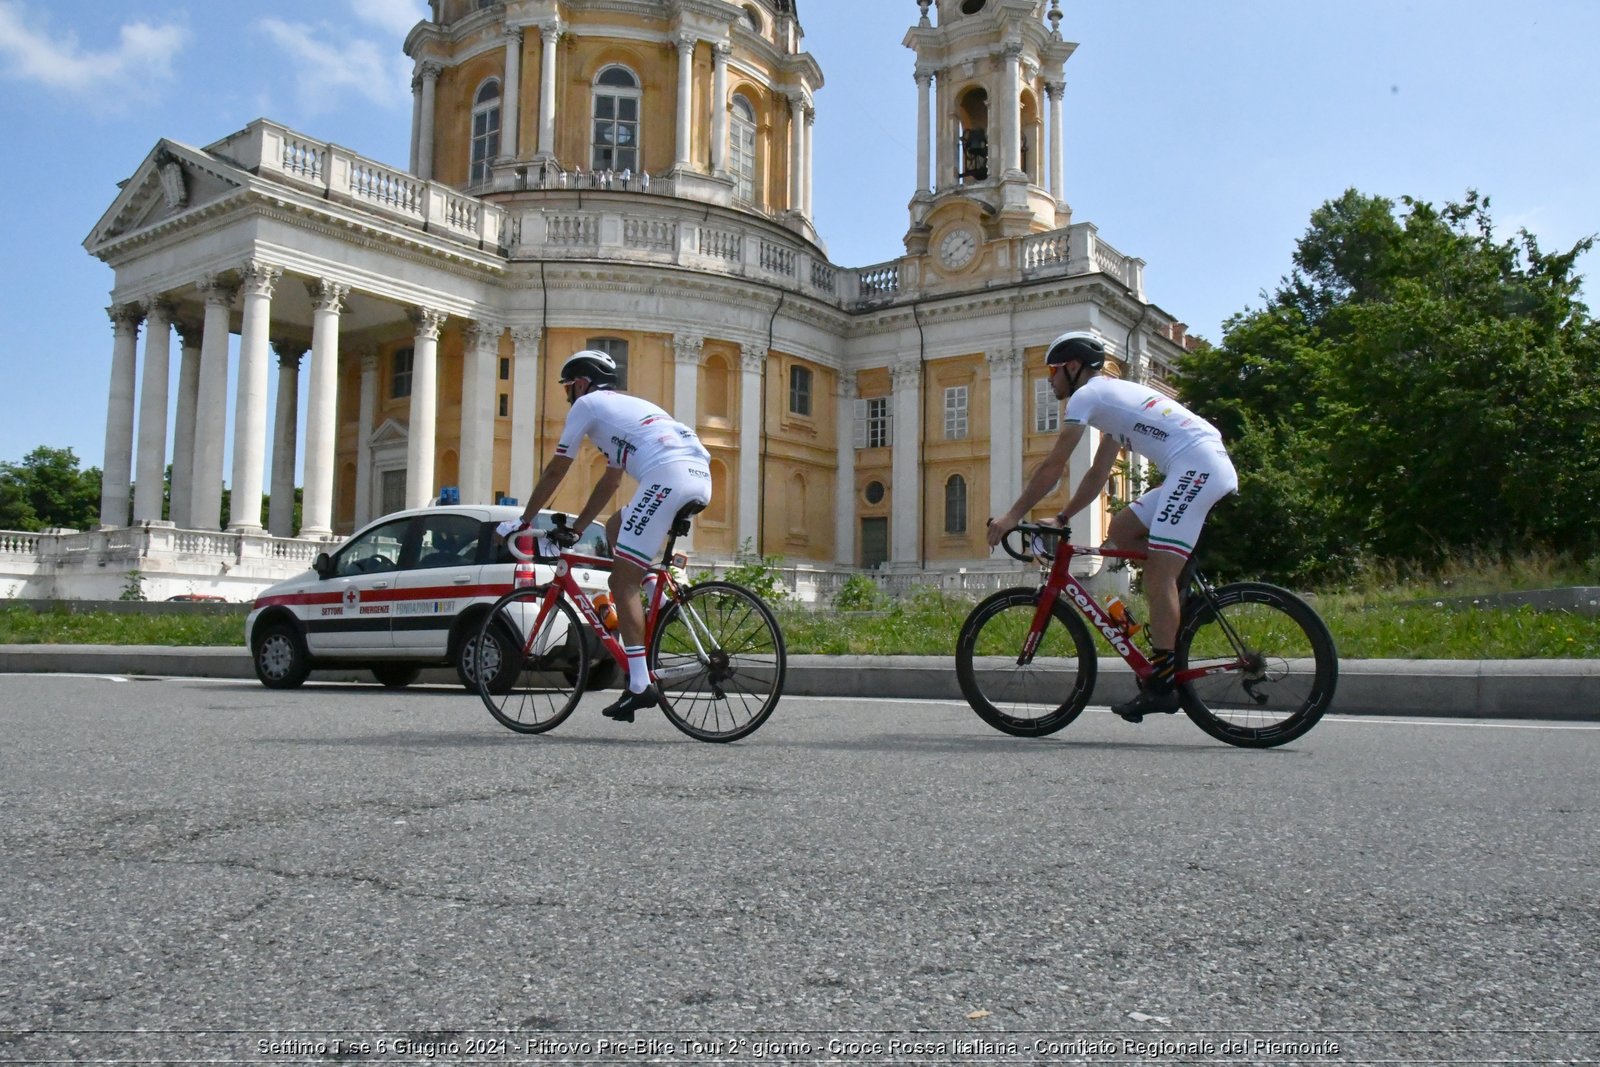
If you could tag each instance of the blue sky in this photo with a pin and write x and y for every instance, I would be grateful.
(1199, 136)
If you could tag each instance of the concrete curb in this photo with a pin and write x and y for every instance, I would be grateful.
(1548, 689)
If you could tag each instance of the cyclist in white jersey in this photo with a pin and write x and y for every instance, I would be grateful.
(1166, 521)
(673, 470)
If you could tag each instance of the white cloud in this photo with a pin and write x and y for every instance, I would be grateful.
(144, 54)
(394, 16)
(329, 63)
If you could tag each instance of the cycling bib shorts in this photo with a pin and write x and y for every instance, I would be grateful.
(1175, 510)
(663, 492)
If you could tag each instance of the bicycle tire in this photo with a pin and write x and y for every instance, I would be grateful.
(553, 663)
(726, 691)
(1031, 699)
(1294, 673)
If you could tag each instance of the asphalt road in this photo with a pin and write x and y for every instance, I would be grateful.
(241, 875)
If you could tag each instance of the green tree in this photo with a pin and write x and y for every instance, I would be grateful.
(48, 490)
(1414, 388)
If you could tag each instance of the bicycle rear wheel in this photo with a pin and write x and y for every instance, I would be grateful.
(1032, 696)
(1282, 660)
(541, 686)
(718, 658)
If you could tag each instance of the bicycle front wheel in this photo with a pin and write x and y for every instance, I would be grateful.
(530, 673)
(1278, 665)
(718, 658)
(1024, 695)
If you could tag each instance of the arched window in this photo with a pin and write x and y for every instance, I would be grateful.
(617, 349)
(955, 505)
(742, 148)
(616, 121)
(714, 387)
(485, 131)
(753, 17)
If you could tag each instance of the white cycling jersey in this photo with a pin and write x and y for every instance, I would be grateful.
(634, 434)
(1150, 423)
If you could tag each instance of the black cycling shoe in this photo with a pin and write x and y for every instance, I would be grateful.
(631, 702)
(1149, 702)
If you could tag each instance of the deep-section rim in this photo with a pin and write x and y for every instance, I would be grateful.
(968, 674)
(1322, 683)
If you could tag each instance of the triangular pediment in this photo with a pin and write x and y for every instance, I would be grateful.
(390, 433)
(173, 181)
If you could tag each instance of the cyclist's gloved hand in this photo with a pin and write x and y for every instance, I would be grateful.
(511, 526)
(561, 535)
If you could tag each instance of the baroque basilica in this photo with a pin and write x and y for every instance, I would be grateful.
(633, 176)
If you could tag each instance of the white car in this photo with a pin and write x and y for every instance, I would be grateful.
(408, 591)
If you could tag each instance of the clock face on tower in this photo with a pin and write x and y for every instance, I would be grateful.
(958, 248)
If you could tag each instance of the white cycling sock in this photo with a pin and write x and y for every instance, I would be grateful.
(638, 672)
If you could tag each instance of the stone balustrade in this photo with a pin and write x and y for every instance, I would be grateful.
(550, 215)
(340, 175)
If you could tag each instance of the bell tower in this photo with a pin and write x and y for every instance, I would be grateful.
(989, 88)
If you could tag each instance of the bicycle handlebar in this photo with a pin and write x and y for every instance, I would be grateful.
(1041, 539)
(532, 545)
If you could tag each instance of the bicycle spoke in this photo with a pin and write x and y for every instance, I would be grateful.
(718, 657)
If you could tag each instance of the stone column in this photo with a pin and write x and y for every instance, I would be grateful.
(1055, 90)
(183, 429)
(511, 95)
(285, 437)
(524, 410)
(797, 151)
(1087, 526)
(478, 412)
(686, 43)
(364, 427)
(753, 364)
(416, 119)
(250, 405)
(1010, 113)
(117, 470)
(719, 106)
(322, 408)
(211, 420)
(811, 121)
(844, 488)
(688, 352)
(430, 84)
(150, 481)
(549, 34)
(949, 151)
(905, 527)
(924, 120)
(424, 406)
(1007, 420)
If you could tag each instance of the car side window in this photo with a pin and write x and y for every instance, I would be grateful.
(448, 541)
(593, 543)
(378, 549)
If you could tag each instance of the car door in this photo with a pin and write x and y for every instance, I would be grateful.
(365, 573)
(434, 590)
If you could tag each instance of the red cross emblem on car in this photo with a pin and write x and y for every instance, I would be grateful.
(351, 595)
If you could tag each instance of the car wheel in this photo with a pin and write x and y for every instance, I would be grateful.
(603, 673)
(499, 657)
(396, 675)
(280, 657)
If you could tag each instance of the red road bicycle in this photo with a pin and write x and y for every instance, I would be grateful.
(1256, 665)
(714, 648)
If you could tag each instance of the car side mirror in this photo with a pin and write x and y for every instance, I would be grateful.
(323, 565)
